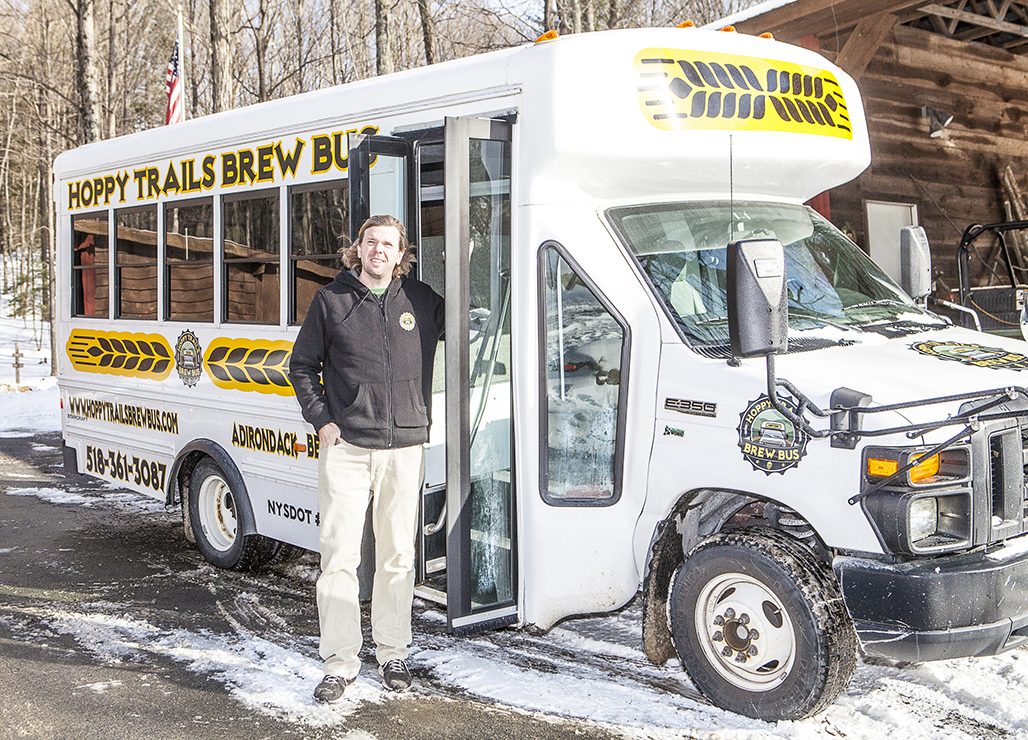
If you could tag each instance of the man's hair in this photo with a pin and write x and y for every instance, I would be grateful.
(351, 256)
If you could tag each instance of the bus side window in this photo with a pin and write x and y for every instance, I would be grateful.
(585, 351)
(135, 260)
(90, 253)
(189, 260)
(251, 274)
(319, 225)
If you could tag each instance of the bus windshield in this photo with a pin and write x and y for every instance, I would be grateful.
(681, 248)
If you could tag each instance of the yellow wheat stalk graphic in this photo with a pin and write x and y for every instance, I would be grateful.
(259, 365)
(120, 353)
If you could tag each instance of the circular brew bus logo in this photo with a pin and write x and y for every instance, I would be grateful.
(407, 320)
(188, 358)
(973, 354)
(770, 442)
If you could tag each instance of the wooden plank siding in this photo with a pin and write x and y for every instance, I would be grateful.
(954, 180)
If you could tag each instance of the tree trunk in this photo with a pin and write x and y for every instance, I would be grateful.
(332, 41)
(613, 15)
(45, 218)
(428, 32)
(222, 97)
(549, 15)
(383, 37)
(299, 47)
(86, 73)
(112, 70)
(194, 89)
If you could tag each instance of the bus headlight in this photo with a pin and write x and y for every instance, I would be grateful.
(923, 520)
(919, 523)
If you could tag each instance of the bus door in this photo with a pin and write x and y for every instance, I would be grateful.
(390, 188)
(481, 588)
(466, 534)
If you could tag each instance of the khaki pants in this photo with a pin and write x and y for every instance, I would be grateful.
(348, 478)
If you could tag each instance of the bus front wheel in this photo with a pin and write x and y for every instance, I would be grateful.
(760, 626)
(214, 517)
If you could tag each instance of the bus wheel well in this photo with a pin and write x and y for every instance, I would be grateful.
(184, 467)
(182, 470)
(696, 516)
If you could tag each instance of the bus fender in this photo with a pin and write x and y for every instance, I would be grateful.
(187, 459)
(697, 515)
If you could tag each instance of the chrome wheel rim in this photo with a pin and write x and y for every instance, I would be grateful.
(745, 632)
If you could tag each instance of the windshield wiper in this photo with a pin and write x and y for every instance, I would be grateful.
(820, 320)
(706, 322)
(879, 302)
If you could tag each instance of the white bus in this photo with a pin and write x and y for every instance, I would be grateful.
(604, 422)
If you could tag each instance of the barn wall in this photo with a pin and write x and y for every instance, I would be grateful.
(953, 180)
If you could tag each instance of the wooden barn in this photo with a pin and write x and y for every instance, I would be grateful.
(945, 88)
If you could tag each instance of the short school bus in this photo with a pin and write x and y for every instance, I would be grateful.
(604, 425)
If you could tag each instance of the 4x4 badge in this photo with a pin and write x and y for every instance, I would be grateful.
(768, 440)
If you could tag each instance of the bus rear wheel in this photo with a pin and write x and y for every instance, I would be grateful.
(760, 626)
(214, 517)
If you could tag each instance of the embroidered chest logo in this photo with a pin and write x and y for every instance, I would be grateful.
(407, 321)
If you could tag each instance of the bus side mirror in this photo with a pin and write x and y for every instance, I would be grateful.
(758, 309)
(915, 263)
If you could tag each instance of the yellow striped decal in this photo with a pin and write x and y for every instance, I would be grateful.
(683, 90)
(146, 356)
(260, 365)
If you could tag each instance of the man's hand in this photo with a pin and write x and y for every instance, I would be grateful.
(328, 434)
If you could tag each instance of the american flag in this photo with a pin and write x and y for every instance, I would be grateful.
(174, 86)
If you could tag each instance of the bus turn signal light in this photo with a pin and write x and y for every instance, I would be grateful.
(878, 468)
(925, 469)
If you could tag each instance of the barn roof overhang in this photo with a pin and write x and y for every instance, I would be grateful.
(1000, 23)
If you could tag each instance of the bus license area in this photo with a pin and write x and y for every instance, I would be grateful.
(121, 467)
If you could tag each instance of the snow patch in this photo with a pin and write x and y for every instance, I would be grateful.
(262, 675)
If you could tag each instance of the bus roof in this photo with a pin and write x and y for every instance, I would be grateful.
(613, 115)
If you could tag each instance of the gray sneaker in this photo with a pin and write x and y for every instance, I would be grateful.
(331, 689)
(396, 675)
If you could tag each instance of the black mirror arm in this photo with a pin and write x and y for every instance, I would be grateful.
(802, 403)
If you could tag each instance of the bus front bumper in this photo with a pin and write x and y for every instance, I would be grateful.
(951, 606)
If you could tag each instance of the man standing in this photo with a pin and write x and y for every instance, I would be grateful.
(362, 371)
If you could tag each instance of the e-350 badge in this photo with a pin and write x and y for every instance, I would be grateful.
(973, 354)
(188, 358)
(768, 440)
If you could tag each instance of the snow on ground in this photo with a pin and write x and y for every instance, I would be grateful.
(33, 405)
(590, 669)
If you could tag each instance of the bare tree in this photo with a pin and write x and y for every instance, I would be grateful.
(383, 37)
(112, 69)
(222, 97)
(428, 32)
(86, 71)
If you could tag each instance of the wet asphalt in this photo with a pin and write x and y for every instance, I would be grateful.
(105, 560)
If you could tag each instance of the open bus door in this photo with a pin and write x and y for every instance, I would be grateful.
(466, 537)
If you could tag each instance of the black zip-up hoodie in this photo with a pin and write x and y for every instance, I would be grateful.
(365, 361)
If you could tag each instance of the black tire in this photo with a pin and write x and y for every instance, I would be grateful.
(213, 517)
(762, 595)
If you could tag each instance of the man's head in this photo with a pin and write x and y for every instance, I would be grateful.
(380, 249)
